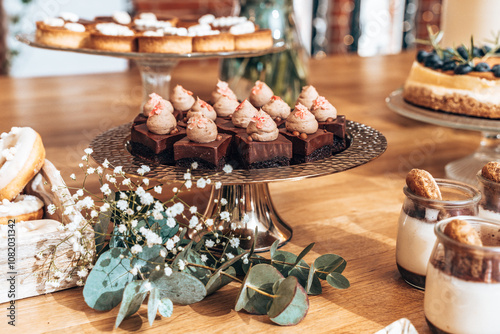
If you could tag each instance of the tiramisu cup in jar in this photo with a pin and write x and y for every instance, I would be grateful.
(427, 201)
(489, 185)
(462, 290)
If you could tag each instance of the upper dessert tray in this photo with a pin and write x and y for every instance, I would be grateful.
(29, 39)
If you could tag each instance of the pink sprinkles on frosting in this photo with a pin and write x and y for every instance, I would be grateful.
(223, 88)
(260, 119)
(156, 100)
(199, 121)
(301, 111)
(257, 88)
(203, 104)
(321, 102)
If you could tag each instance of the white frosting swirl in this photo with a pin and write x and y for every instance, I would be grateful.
(206, 19)
(227, 21)
(76, 27)
(113, 29)
(21, 205)
(222, 88)
(262, 127)
(122, 17)
(201, 129)
(147, 16)
(69, 17)
(246, 27)
(243, 114)
(301, 120)
(54, 22)
(323, 110)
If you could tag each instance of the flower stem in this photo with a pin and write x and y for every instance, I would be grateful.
(260, 291)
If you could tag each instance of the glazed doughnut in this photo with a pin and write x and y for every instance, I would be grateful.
(21, 156)
(23, 208)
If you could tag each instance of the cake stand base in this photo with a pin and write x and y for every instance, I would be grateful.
(250, 206)
(465, 169)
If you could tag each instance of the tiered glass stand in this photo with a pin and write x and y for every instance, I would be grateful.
(464, 169)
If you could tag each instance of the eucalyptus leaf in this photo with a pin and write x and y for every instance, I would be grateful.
(166, 307)
(117, 239)
(203, 274)
(302, 254)
(180, 287)
(328, 263)
(161, 227)
(107, 280)
(218, 280)
(133, 296)
(149, 258)
(313, 286)
(284, 262)
(153, 303)
(273, 248)
(338, 281)
(260, 277)
(253, 260)
(290, 304)
(182, 256)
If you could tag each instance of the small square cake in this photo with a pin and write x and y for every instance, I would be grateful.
(263, 154)
(225, 125)
(202, 145)
(327, 118)
(159, 148)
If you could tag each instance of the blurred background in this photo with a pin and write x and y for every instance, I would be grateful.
(365, 27)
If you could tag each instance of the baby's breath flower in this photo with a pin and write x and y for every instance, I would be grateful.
(193, 222)
(118, 170)
(122, 205)
(133, 223)
(51, 208)
(188, 184)
(171, 222)
(170, 244)
(126, 182)
(88, 150)
(93, 213)
(227, 169)
(182, 265)
(175, 189)
(208, 180)
(193, 209)
(82, 272)
(168, 271)
(105, 164)
(194, 165)
(201, 183)
(163, 253)
(246, 218)
(123, 196)
(85, 158)
(73, 176)
(209, 222)
(204, 258)
(157, 189)
(122, 228)
(157, 215)
(229, 255)
(209, 243)
(129, 211)
(99, 170)
(147, 199)
(146, 168)
(136, 249)
(134, 271)
(80, 282)
(140, 191)
(223, 201)
(90, 170)
(224, 215)
(79, 192)
(104, 207)
(187, 176)
(80, 165)
(145, 181)
(235, 242)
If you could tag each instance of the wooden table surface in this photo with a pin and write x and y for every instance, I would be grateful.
(353, 214)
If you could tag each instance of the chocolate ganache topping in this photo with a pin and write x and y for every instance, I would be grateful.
(222, 89)
(276, 107)
(156, 102)
(262, 127)
(161, 121)
(323, 110)
(243, 114)
(225, 106)
(307, 96)
(182, 99)
(201, 129)
(260, 94)
(201, 107)
(301, 120)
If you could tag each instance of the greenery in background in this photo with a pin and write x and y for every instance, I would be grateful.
(143, 251)
(14, 28)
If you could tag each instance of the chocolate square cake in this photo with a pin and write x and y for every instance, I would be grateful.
(311, 147)
(263, 154)
(158, 148)
(212, 155)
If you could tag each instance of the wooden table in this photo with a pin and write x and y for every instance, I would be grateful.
(353, 214)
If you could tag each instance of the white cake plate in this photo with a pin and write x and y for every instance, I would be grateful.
(464, 169)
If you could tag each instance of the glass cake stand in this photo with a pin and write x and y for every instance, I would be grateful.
(155, 68)
(464, 169)
(246, 191)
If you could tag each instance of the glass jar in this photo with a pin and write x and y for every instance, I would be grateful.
(285, 72)
(489, 207)
(418, 217)
(462, 290)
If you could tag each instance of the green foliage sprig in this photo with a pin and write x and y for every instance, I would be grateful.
(147, 254)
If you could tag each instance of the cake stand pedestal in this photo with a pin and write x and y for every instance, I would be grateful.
(464, 169)
(247, 193)
(156, 68)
